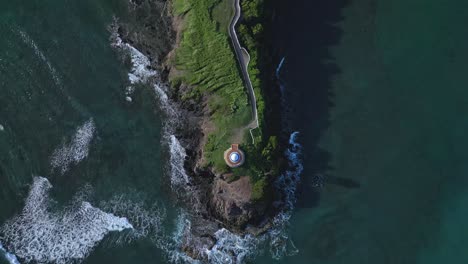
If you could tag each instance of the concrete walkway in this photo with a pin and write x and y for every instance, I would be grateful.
(240, 53)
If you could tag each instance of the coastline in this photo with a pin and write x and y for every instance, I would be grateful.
(236, 199)
(261, 166)
(132, 150)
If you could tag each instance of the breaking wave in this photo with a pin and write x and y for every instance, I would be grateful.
(280, 243)
(140, 70)
(288, 181)
(42, 235)
(179, 177)
(76, 150)
(167, 105)
(174, 243)
(232, 248)
(11, 258)
(229, 247)
(146, 220)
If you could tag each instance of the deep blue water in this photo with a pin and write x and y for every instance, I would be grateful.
(377, 91)
(377, 95)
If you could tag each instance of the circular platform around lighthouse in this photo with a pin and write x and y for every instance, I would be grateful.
(233, 156)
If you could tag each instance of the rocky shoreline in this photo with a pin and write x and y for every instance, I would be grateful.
(214, 201)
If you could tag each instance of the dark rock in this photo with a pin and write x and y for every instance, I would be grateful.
(231, 202)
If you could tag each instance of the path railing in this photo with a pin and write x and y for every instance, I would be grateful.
(243, 65)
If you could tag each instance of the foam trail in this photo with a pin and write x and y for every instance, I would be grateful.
(280, 82)
(27, 40)
(179, 177)
(52, 71)
(177, 153)
(41, 235)
(288, 181)
(165, 103)
(278, 69)
(280, 243)
(76, 150)
(11, 258)
(140, 71)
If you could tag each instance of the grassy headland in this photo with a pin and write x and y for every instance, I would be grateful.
(205, 61)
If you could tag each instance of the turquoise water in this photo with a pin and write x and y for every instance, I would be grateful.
(391, 142)
(378, 95)
(58, 73)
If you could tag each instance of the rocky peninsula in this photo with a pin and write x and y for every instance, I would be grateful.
(191, 45)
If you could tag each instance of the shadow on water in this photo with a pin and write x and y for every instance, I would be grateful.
(305, 32)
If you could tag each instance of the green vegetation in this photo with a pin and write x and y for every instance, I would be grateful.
(261, 163)
(251, 33)
(206, 62)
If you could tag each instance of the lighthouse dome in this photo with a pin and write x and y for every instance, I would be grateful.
(234, 157)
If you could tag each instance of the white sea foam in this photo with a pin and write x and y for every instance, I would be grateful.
(232, 248)
(173, 114)
(288, 181)
(147, 223)
(173, 245)
(179, 177)
(158, 88)
(76, 150)
(141, 70)
(11, 258)
(146, 220)
(177, 154)
(42, 235)
(229, 247)
(280, 243)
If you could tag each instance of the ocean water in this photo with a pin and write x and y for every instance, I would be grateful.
(379, 99)
(89, 169)
(81, 168)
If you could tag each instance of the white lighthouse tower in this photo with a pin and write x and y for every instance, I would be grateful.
(233, 156)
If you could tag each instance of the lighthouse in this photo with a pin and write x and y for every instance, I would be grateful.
(234, 156)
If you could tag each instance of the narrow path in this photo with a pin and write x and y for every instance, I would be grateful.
(243, 65)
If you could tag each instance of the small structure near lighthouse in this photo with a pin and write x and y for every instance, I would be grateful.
(233, 156)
